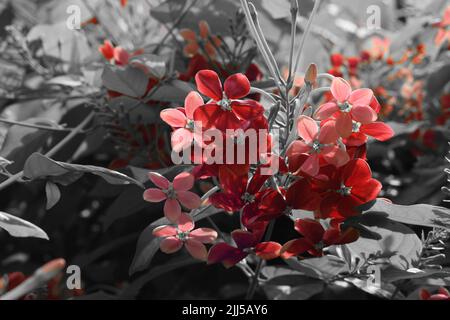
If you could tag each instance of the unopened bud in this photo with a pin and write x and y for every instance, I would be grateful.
(311, 74)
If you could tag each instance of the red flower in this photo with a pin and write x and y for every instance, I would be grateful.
(318, 143)
(315, 238)
(347, 188)
(246, 243)
(348, 107)
(225, 111)
(237, 190)
(442, 294)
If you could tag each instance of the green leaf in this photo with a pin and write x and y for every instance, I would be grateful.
(20, 228)
(393, 274)
(418, 214)
(395, 243)
(39, 166)
(129, 81)
(148, 245)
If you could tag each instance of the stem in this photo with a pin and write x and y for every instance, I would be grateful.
(35, 126)
(53, 151)
(294, 14)
(254, 32)
(254, 282)
(264, 93)
(306, 32)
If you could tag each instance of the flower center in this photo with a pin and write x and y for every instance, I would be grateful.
(248, 198)
(183, 236)
(345, 107)
(190, 125)
(316, 146)
(345, 191)
(170, 192)
(356, 126)
(225, 103)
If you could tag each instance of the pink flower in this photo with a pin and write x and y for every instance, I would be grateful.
(174, 193)
(182, 120)
(318, 142)
(184, 234)
(348, 106)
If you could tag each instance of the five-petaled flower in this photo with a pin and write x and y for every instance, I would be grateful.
(316, 238)
(348, 107)
(173, 193)
(318, 142)
(347, 188)
(182, 121)
(225, 111)
(174, 237)
(116, 54)
(246, 243)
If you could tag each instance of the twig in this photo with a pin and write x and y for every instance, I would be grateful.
(53, 151)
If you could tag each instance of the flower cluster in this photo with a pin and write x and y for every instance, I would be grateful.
(323, 171)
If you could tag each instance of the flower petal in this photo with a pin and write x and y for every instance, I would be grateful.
(170, 245)
(196, 249)
(192, 101)
(237, 86)
(363, 114)
(361, 97)
(247, 109)
(189, 199)
(340, 89)
(173, 117)
(121, 56)
(172, 210)
(310, 229)
(185, 222)
(378, 130)
(208, 83)
(226, 254)
(295, 247)
(344, 125)
(204, 235)
(268, 250)
(311, 165)
(326, 110)
(183, 181)
(154, 195)
(159, 180)
(244, 239)
(164, 231)
(355, 172)
(181, 139)
(307, 128)
(328, 133)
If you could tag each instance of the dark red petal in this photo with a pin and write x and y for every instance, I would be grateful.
(295, 247)
(268, 250)
(378, 130)
(310, 229)
(208, 115)
(226, 201)
(243, 239)
(355, 172)
(300, 196)
(367, 191)
(208, 83)
(247, 109)
(237, 86)
(226, 254)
